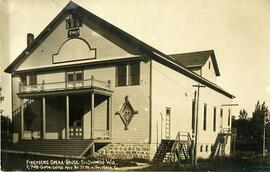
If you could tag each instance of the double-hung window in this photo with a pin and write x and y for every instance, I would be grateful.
(74, 76)
(128, 74)
(121, 75)
(24, 79)
(134, 74)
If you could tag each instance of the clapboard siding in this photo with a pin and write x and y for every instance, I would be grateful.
(177, 94)
(101, 116)
(106, 48)
(138, 130)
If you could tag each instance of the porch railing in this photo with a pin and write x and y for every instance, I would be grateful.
(64, 85)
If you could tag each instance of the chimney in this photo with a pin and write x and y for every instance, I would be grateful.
(30, 38)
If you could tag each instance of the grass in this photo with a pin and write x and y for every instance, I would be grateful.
(11, 162)
(221, 164)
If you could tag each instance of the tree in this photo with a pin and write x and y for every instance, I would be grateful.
(1, 99)
(242, 124)
(260, 113)
(243, 114)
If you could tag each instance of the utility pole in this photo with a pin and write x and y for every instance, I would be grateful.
(264, 123)
(194, 159)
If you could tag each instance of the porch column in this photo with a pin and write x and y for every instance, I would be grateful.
(43, 118)
(92, 114)
(110, 116)
(67, 118)
(22, 118)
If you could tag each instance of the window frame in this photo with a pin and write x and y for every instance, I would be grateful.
(117, 75)
(205, 117)
(137, 73)
(74, 76)
(32, 77)
(221, 118)
(128, 77)
(229, 117)
(24, 78)
(215, 119)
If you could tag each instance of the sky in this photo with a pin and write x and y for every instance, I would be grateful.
(238, 32)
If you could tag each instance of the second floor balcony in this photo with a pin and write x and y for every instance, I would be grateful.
(65, 87)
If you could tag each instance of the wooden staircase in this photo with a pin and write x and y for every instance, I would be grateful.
(221, 142)
(163, 150)
(175, 150)
(61, 148)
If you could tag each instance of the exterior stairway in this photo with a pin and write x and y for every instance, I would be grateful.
(163, 150)
(174, 150)
(221, 142)
(61, 148)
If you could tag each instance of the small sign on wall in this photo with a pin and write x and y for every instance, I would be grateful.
(72, 33)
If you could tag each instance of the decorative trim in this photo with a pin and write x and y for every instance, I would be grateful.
(88, 45)
(102, 63)
(126, 113)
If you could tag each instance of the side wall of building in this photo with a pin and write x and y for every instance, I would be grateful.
(174, 91)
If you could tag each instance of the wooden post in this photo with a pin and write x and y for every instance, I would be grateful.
(196, 133)
(43, 85)
(43, 118)
(67, 118)
(92, 114)
(22, 118)
(110, 116)
(92, 81)
(109, 84)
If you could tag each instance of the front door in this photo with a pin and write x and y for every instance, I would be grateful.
(168, 123)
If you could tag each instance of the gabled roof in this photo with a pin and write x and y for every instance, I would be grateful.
(146, 49)
(197, 59)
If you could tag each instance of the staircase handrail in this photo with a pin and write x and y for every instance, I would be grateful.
(177, 141)
(24, 105)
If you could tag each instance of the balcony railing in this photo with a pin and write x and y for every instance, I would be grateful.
(64, 85)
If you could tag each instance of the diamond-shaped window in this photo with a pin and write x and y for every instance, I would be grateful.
(126, 113)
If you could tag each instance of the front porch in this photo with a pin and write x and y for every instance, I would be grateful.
(76, 111)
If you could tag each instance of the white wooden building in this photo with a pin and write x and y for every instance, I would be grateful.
(83, 81)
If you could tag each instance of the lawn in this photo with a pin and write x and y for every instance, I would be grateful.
(19, 162)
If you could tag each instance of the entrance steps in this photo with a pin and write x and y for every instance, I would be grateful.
(61, 148)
